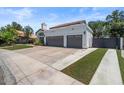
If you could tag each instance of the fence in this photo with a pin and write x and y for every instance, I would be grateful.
(107, 43)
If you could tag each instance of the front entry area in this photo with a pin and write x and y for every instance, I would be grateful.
(74, 41)
(55, 41)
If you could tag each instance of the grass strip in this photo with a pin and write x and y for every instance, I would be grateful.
(121, 63)
(84, 69)
(15, 47)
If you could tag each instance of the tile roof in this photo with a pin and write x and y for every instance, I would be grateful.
(20, 33)
(68, 24)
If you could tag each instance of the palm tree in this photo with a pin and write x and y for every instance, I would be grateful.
(116, 16)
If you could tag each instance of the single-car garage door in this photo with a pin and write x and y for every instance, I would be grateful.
(55, 41)
(74, 41)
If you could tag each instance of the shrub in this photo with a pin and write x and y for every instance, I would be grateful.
(38, 42)
(8, 35)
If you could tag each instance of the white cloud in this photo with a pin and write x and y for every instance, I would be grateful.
(23, 14)
(52, 16)
(83, 9)
(93, 14)
(95, 9)
(18, 14)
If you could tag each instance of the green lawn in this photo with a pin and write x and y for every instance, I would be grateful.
(84, 69)
(17, 46)
(121, 63)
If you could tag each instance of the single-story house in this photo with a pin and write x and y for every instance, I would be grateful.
(72, 35)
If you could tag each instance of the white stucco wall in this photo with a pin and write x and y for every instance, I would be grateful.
(77, 29)
(89, 38)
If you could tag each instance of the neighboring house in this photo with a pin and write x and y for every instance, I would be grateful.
(23, 39)
(32, 36)
(73, 35)
(40, 34)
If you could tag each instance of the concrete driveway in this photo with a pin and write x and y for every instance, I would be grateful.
(48, 55)
(33, 65)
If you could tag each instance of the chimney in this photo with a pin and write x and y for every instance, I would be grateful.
(43, 27)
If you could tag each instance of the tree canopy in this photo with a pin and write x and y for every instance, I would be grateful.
(17, 26)
(98, 27)
(113, 26)
(9, 35)
(28, 31)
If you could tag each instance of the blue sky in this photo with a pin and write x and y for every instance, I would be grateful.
(52, 16)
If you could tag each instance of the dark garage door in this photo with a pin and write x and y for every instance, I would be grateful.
(74, 41)
(55, 41)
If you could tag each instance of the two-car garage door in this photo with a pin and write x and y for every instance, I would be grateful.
(73, 41)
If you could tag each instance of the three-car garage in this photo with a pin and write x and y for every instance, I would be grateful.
(71, 35)
(72, 41)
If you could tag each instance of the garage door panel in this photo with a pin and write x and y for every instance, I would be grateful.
(74, 41)
(55, 41)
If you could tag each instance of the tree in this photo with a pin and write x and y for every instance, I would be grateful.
(117, 29)
(28, 31)
(17, 26)
(2, 29)
(98, 27)
(8, 34)
(115, 23)
(116, 16)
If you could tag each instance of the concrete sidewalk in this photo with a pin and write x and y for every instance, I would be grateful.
(27, 70)
(61, 64)
(108, 72)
